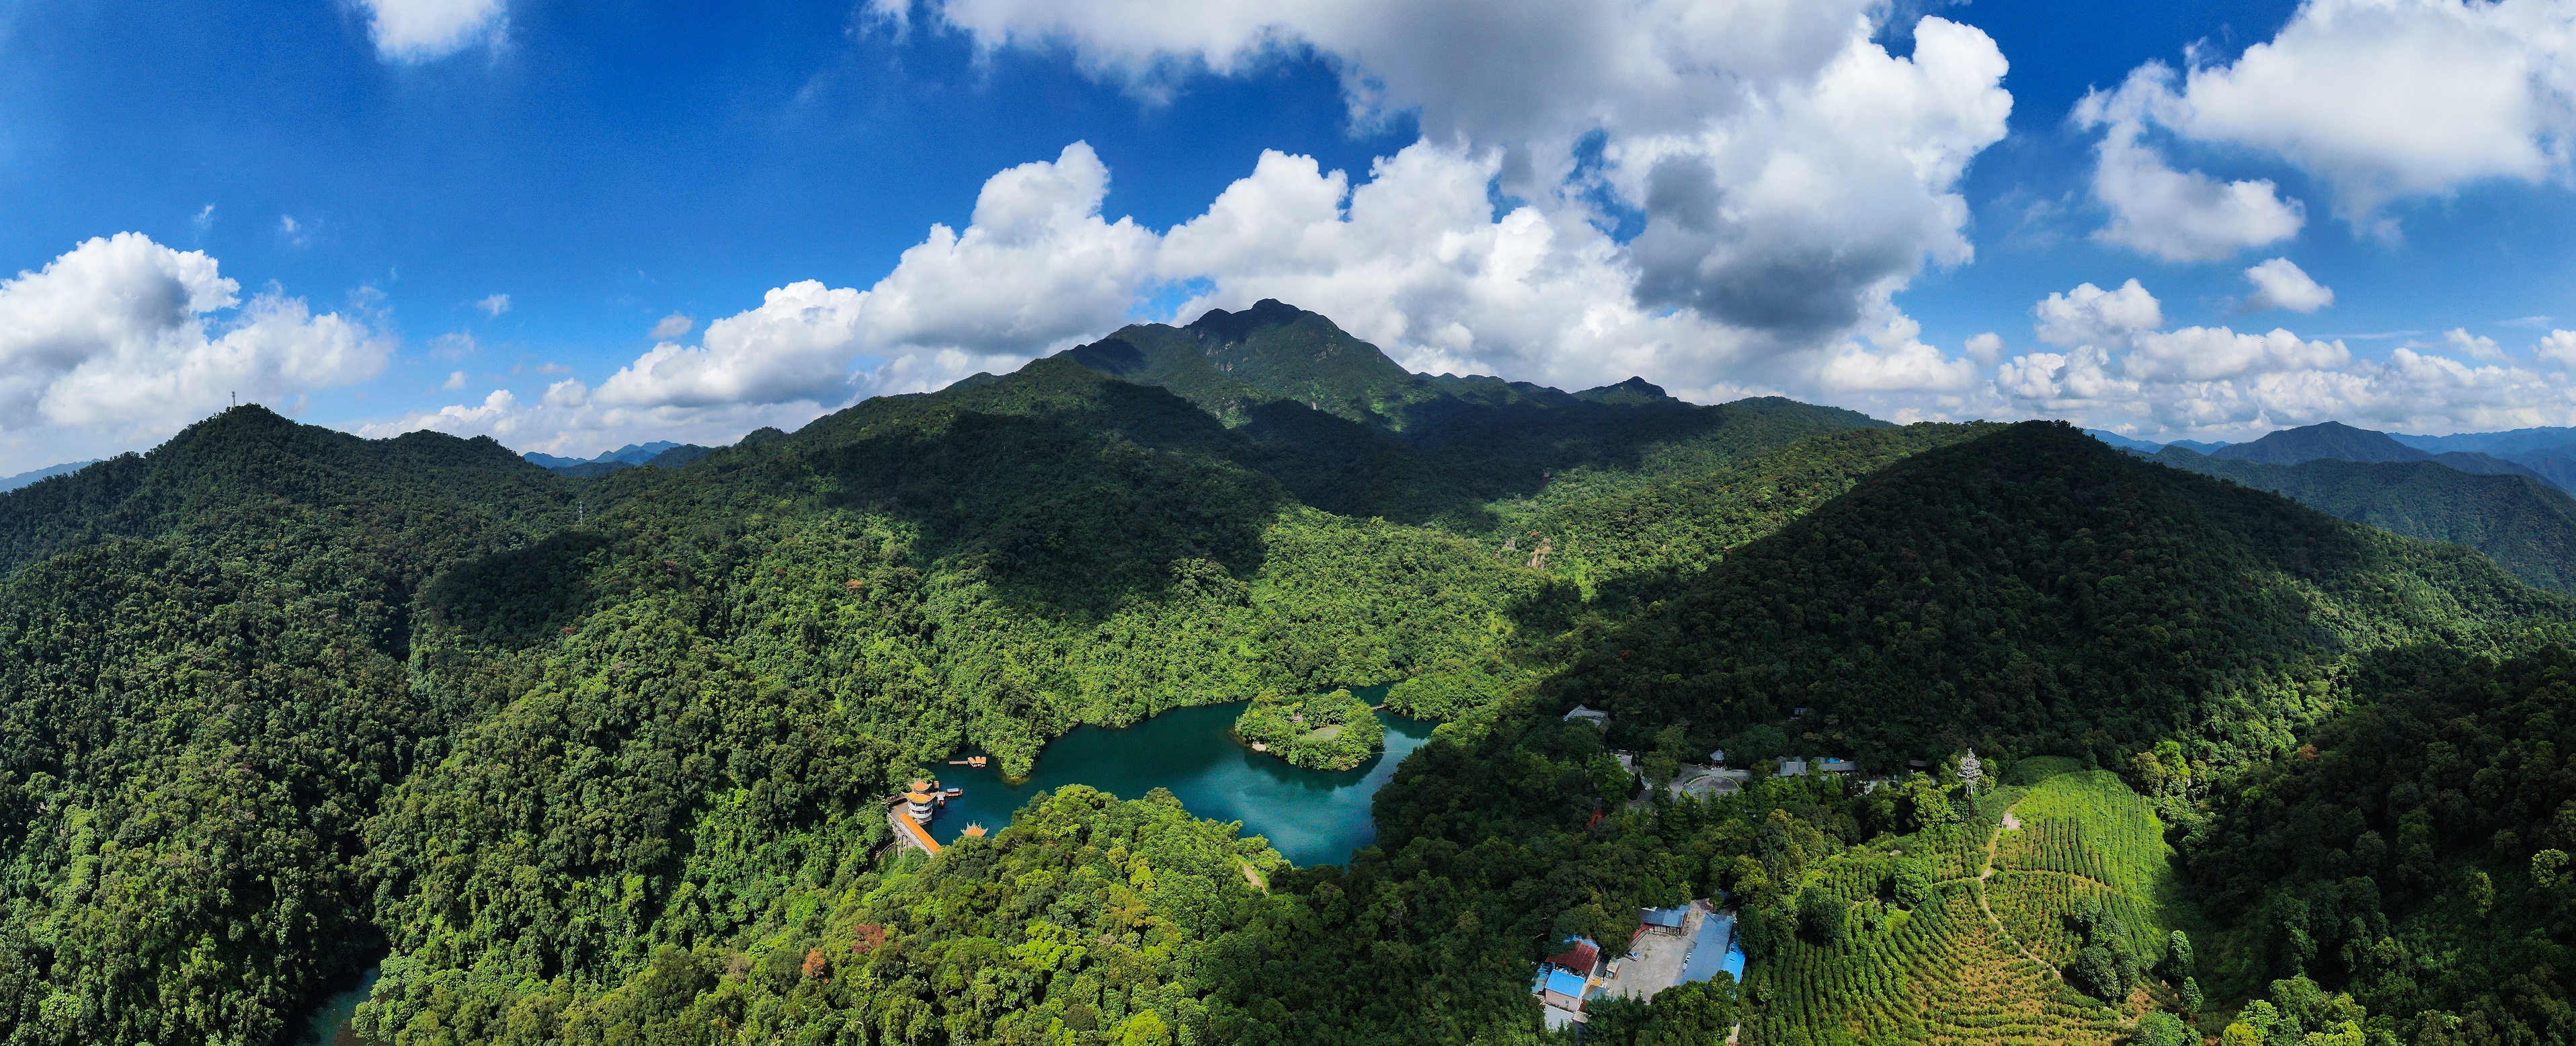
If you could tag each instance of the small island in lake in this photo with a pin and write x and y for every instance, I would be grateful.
(1334, 731)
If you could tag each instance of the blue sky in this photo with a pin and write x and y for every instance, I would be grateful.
(1911, 210)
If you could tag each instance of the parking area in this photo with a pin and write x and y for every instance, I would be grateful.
(1658, 959)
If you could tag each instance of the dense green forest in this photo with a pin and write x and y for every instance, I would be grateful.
(202, 696)
(1333, 731)
(276, 702)
(2036, 591)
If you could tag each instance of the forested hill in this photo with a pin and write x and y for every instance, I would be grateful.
(1368, 438)
(2528, 527)
(227, 475)
(203, 693)
(2038, 590)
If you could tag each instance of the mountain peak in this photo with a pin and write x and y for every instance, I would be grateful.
(1236, 326)
(2329, 439)
(1632, 391)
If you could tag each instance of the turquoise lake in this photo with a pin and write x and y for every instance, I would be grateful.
(1311, 816)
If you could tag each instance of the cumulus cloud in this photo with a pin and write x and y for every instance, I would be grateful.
(1036, 269)
(1793, 173)
(1413, 259)
(2121, 370)
(672, 326)
(2476, 347)
(420, 30)
(2281, 284)
(2089, 314)
(2174, 215)
(455, 381)
(1905, 366)
(565, 419)
(123, 338)
(2390, 99)
(2558, 347)
(494, 305)
(2208, 353)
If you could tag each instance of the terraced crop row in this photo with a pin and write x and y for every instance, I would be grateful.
(1942, 976)
(2052, 844)
(2090, 824)
(1957, 851)
(2036, 907)
(1946, 973)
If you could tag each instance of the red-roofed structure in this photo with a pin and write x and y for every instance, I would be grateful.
(1581, 958)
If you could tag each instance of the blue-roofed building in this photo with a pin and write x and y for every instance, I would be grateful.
(1565, 979)
(1664, 918)
(1564, 989)
(1714, 949)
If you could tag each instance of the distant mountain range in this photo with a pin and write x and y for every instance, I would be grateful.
(2501, 493)
(2546, 453)
(9, 483)
(659, 454)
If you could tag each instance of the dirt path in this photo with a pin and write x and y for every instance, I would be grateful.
(1988, 872)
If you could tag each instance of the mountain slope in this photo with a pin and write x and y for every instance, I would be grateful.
(2039, 589)
(244, 466)
(2332, 439)
(1348, 430)
(2526, 526)
(202, 694)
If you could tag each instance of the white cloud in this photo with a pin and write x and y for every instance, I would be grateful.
(1793, 173)
(123, 339)
(2558, 347)
(419, 30)
(295, 233)
(455, 381)
(494, 305)
(1908, 367)
(1037, 269)
(454, 345)
(672, 326)
(2207, 353)
(2213, 382)
(566, 420)
(2174, 215)
(204, 221)
(1986, 348)
(2390, 99)
(2474, 346)
(2281, 284)
(2089, 314)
